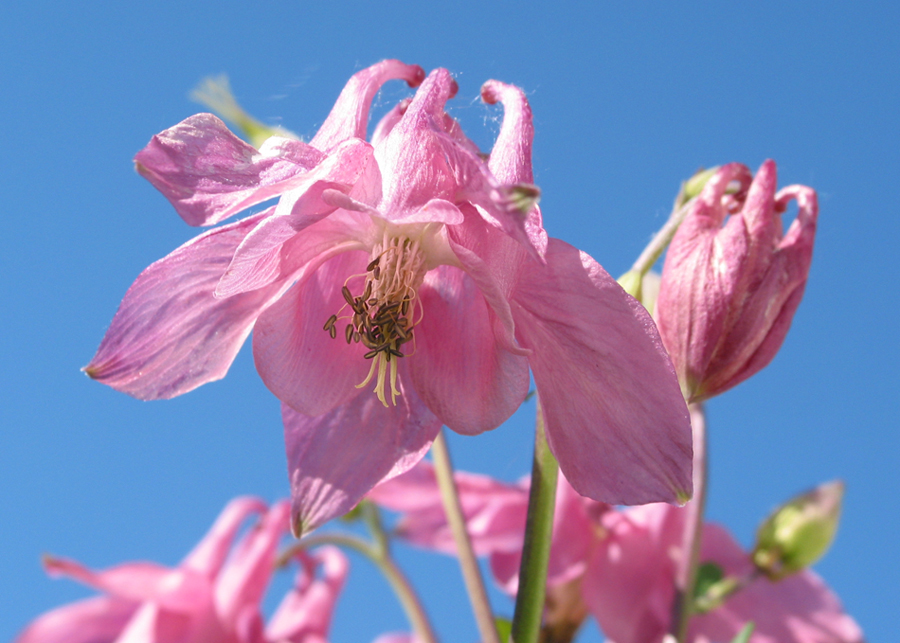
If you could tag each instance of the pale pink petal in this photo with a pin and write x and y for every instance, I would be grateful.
(171, 334)
(459, 369)
(350, 114)
(336, 458)
(95, 620)
(243, 581)
(510, 160)
(628, 585)
(388, 121)
(209, 554)
(494, 511)
(798, 609)
(306, 611)
(615, 417)
(177, 589)
(299, 361)
(208, 173)
(420, 161)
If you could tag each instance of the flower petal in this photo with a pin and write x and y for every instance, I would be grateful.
(336, 458)
(459, 369)
(171, 334)
(209, 554)
(350, 114)
(799, 609)
(306, 611)
(177, 589)
(208, 173)
(615, 417)
(299, 361)
(95, 620)
(243, 581)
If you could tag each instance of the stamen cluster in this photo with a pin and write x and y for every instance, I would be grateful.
(383, 316)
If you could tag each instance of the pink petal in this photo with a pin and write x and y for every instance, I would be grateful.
(628, 585)
(350, 114)
(95, 620)
(208, 173)
(177, 589)
(510, 160)
(420, 161)
(243, 581)
(336, 458)
(306, 611)
(388, 121)
(615, 417)
(464, 375)
(799, 609)
(171, 334)
(298, 360)
(209, 554)
(494, 511)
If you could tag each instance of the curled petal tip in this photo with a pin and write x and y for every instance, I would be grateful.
(416, 77)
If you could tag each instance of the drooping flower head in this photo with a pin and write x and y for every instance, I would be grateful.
(398, 284)
(730, 287)
(617, 565)
(213, 596)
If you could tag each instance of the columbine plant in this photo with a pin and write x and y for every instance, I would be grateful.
(405, 281)
(399, 284)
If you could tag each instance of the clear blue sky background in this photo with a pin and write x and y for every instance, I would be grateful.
(629, 99)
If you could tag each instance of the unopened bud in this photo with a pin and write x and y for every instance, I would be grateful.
(800, 532)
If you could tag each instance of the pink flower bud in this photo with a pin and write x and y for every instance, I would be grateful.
(730, 287)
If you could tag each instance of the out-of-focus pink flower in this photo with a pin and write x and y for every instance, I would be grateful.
(618, 565)
(408, 265)
(213, 596)
(730, 288)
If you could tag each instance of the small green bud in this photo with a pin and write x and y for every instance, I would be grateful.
(798, 533)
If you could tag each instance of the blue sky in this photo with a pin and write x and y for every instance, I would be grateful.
(628, 100)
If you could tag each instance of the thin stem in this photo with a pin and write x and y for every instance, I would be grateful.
(398, 581)
(526, 625)
(686, 574)
(481, 606)
(663, 237)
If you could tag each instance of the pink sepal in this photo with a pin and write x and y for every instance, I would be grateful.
(615, 418)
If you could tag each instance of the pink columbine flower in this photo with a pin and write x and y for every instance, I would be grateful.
(213, 596)
(618, 566)
(398, 284)
(730, 288)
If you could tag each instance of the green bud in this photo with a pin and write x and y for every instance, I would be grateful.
(800, 532)
(215, 93)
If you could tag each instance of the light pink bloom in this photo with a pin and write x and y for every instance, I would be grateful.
(730, 288)
(211, 597)
(434, 267)
(624, 563)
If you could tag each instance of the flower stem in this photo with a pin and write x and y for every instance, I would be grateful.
(481, 606)
(526, 625)
(663, 237)
(686, 573)
(398, 581)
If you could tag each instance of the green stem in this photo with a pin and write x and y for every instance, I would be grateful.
(481, 606)
(398, 581)
(663, 237)
(526, 625)
(686, 573)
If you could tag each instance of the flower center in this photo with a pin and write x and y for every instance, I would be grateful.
(384, 315)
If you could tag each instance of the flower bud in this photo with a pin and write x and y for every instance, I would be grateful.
(694, 185)
(731, 280)
(800, 532)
